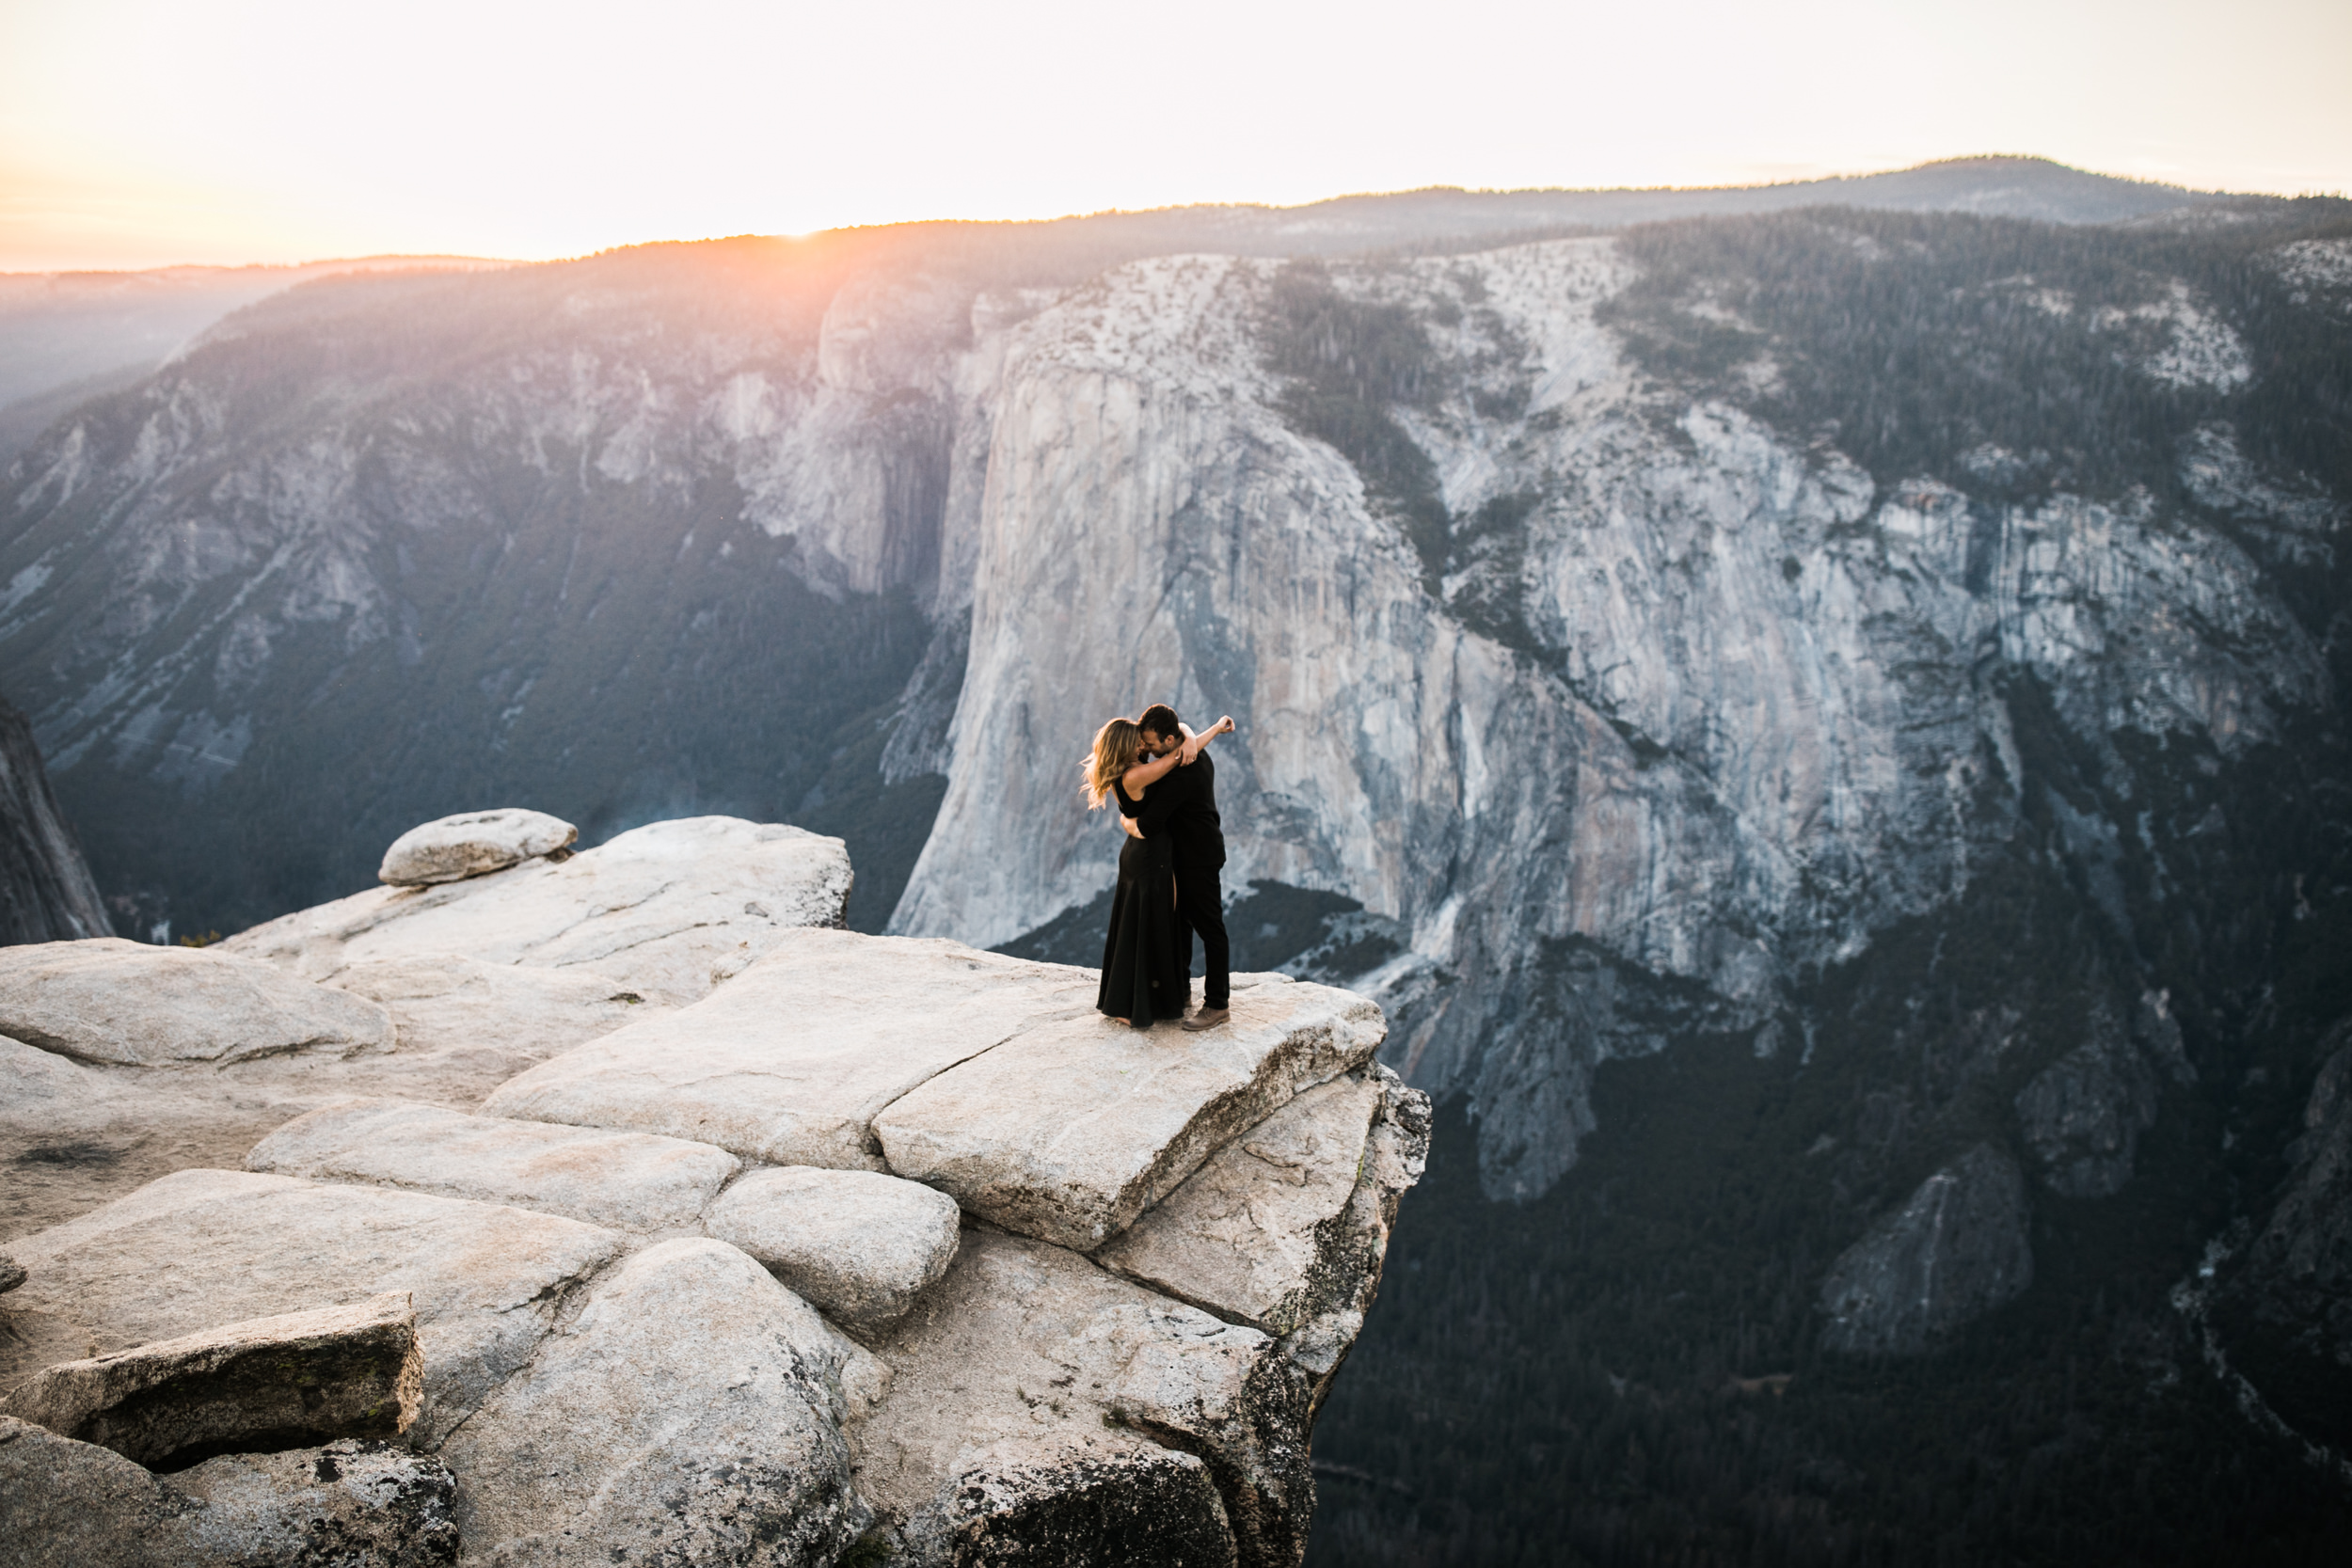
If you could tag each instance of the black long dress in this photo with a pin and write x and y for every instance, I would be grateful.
(1140, 979)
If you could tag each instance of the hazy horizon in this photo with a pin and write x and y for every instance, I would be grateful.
(135, 134)
(430, 257)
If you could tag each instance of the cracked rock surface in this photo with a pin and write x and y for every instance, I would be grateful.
(300, 1377)
(723, 1240)
(202, 1248)
(355, 1503)
(623, 1181)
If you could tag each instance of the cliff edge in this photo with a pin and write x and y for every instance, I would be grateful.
(620, 1205)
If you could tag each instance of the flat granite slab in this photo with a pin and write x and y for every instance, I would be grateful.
(624, 1180)
(1072, 1129)
(202, 1248)
(502, 1018)
(789, 1062)
(667, 909)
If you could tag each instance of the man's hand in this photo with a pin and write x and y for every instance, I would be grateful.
(1129, 823)
(1193, 743)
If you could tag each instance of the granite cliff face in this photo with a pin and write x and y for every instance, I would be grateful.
(46, 894)
(1676, 697)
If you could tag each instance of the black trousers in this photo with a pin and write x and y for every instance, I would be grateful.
(1200, 910)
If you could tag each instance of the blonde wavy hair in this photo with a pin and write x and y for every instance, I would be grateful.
(1116, 745)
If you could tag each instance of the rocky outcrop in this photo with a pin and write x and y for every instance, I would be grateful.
(294, 1380)
(1284, 1229)
(472, 844)
(626, 1337)
(665, 910)
(46, 891)
(126, 1003)
(1956, 1248)
(791, 1061)
(1068, 1131)
(1028, 1362)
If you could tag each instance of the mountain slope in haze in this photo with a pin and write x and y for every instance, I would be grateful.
(1816, 724)
(46, 891)
(376, 537)
(674, 347)
(68, 337)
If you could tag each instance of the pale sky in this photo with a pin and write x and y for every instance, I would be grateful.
(140, 132)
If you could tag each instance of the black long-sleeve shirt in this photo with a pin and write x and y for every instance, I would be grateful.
(1183, 804)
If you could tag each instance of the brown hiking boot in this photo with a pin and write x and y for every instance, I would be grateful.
(1209, 1017)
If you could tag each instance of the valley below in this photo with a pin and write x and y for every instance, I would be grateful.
(1821, 725)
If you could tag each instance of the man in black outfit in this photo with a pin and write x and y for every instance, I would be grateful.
(1184, 804)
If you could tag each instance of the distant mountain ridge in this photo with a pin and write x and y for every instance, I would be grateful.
(66, 337)
(1999, 186)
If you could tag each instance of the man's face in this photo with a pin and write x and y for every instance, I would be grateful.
(1159, 745)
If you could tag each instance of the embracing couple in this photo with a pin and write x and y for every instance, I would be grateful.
(1158, 773)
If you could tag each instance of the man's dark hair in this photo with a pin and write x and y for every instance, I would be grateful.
(1161, 721)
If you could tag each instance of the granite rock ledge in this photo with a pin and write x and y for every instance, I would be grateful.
(724, 1236)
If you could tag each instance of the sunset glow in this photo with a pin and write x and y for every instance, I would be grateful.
(137, 133)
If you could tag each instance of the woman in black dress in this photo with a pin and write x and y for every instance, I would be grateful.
(1141, 981)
